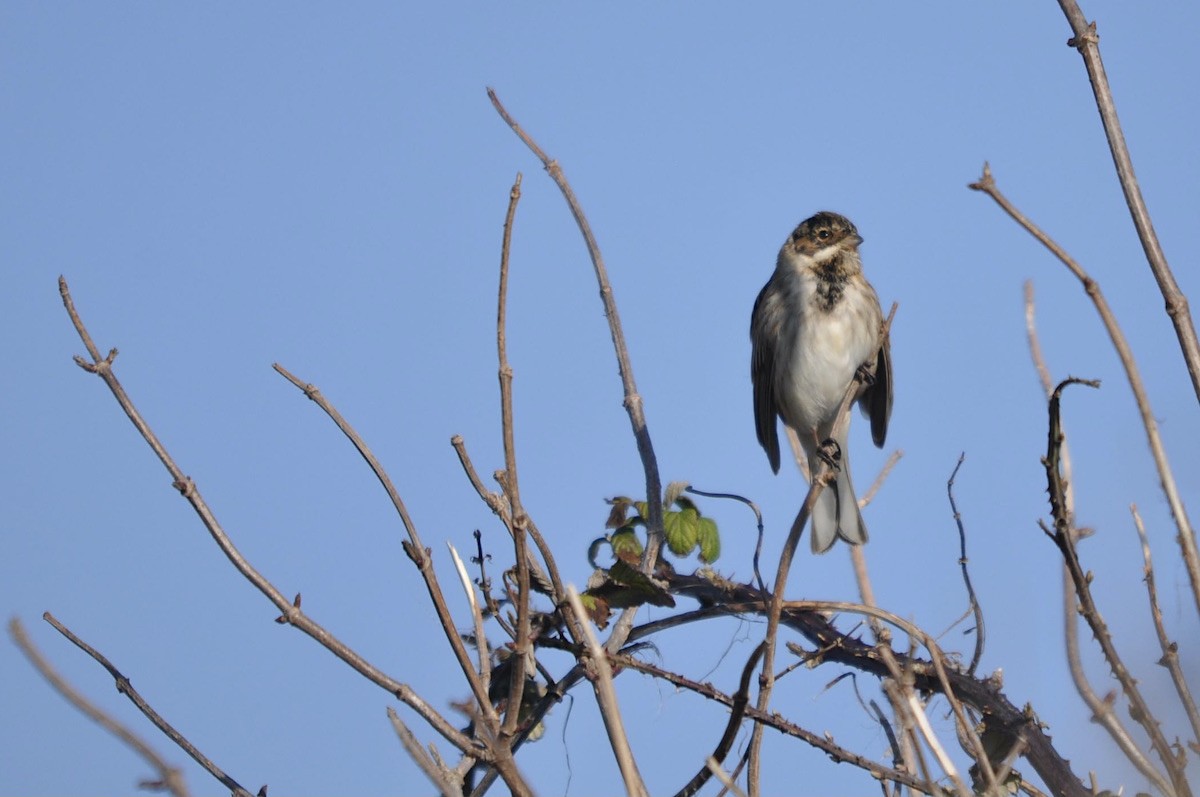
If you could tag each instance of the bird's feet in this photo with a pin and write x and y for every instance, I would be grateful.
(830, 453)
(865, 374)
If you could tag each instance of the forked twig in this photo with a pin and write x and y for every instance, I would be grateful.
(437, 775)
(413, 546)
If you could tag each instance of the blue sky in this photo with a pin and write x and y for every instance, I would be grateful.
(229, 186)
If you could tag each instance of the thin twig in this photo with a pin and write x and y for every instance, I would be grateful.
(495, 502)
(290, 612)
(737, 711)
(758, 518)
(169, 778)
(1186, 537)
(437, 775)
(610, 710)
(880, 478)
(126, 688)
(901, 695)
(522, 650)
(1170, 650)
(633, 399)
(726, 779)
(976, 609)
(773, 720)
(413, 547)
(1087, 42)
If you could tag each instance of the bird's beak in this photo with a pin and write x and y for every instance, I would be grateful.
(858, 239)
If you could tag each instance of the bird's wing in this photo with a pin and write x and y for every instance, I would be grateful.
(879, 400)
(766, 324)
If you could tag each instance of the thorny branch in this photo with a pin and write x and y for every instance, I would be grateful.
(1103, 711)
(1063, 537)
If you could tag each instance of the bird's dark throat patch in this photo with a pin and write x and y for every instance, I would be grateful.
(831, 283)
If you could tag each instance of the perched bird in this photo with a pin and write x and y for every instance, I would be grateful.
(815, 323)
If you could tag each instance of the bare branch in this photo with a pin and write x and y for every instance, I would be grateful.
(773, 720)
(437, 775)
(737, 711)
(522, 650)
(1170, 650)
(633, 400)
(610, 709)
(413, 546)
(1103, 712)
(126, 688)
(1187, 537)
(290, 612)
(1087, 42)
(170, 778)
(810, 618)
(884, 472)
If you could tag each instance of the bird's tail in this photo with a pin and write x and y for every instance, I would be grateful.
(835, 513)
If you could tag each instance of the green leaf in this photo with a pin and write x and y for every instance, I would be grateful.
(710, 541)
(683, 530)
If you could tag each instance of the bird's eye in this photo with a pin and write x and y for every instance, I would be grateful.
(823, 234)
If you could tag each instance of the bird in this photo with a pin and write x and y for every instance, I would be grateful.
(815, 323)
